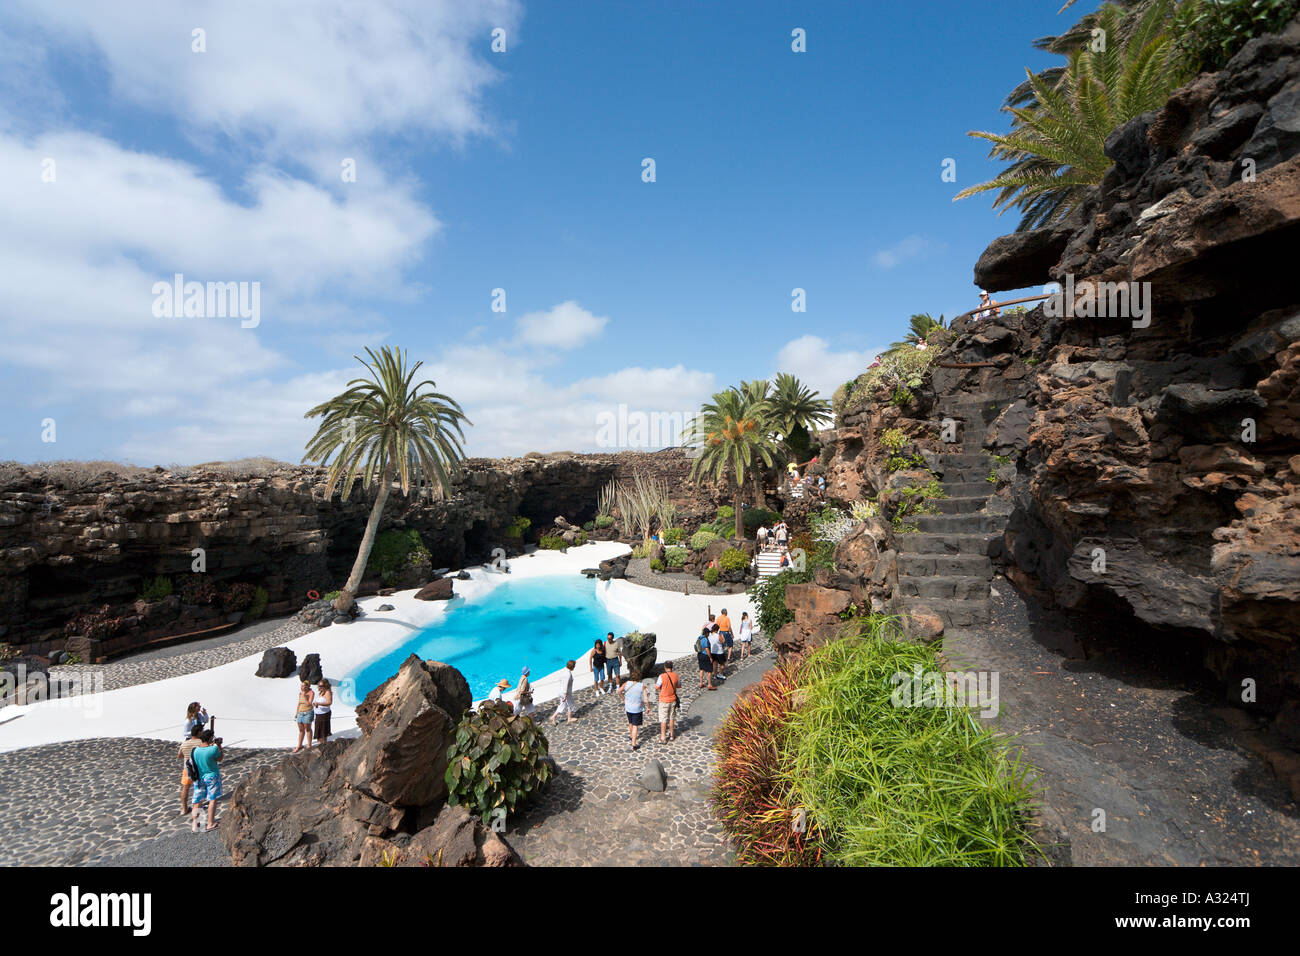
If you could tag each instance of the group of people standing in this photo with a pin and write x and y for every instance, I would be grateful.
(716, 644)
(313, 713)
(201, 753)
(775, 538)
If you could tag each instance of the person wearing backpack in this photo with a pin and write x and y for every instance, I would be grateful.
(207, 777)
(702, 657)
(187, 748)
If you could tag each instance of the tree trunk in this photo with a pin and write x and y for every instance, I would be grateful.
(740, 518)
(349, 592)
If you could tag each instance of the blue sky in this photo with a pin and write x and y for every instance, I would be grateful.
(477, 170)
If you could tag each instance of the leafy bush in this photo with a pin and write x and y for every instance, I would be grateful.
(551, 542)
(675, 557)
(893, 439)
(890, 784)
(393, 551)
(771, 613)
(589, 526)
(604, 521)
(518, 526)
(725, 513)
(258, 607)
(754, 518)
(733, 559)
(899, 462)
(674, 535)
(700, 540)
(754, 804)
(656, 564)
(711, 575)
(640, 550)
(331, 596)
(497, 761)
(902, 396)
(156, 589)
(238, 597)
(830, 524)
(1209, 33)
(911, 501)
(98, 624)
(198, 589)
(862, 510)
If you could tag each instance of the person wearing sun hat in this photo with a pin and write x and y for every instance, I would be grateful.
(495, 696)
(524, 694)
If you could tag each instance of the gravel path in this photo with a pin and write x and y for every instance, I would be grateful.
(638, 572)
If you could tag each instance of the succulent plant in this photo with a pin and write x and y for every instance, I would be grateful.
(498, 761)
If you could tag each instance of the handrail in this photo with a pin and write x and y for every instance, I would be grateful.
(998, 305)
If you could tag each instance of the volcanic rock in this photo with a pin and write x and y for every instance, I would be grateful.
(278, 662)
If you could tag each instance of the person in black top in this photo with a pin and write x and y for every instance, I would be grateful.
(598, 667)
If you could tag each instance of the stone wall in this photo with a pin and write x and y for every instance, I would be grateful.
(83, 545)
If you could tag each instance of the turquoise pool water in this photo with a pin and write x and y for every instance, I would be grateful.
(541, 622)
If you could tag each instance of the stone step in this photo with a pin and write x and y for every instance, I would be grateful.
(966, 476)
(954, 613)
(968, 489)
(946, 587)
(977, 460)
(978, 523)
(945, 565)
(943, 544)
(958, 506)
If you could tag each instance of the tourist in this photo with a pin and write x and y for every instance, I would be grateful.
(717, 651)
(187, 748)
(321, 707)
(821, 484)
(746, 636)
(524, 694)
(598, 667)
(303, 715)
(633, 692)
(207, 788)
(667, 685)
(782, 534)
(703, 658)
(724, 629)
(761, 537)
(991, 310)
(565, 706)
(785, 559)
(196, 715)
(876, 363)
(496, 694)
(613, 661)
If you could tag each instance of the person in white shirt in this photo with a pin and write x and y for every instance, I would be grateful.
(495, 695)
(718, 651)
(565, 705)
(761, 537)
(524, 694)
(634, 704)
(746, 636)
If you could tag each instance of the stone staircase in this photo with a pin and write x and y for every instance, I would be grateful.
(945, 566)
(768, 563)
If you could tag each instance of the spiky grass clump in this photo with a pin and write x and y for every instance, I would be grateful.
(750, 795)
(899, 785)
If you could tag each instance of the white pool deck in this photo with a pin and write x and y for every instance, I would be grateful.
(253, 711)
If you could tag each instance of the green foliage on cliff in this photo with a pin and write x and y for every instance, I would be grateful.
(1209, 33)
(155, 589)
(394, 549)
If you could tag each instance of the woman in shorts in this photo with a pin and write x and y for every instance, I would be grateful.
(634, 704)
(303, 715)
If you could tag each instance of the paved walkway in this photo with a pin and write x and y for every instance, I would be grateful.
(598, 814)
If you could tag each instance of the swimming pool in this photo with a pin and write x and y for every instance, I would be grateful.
(541, 622)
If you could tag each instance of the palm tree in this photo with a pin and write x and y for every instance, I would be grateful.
(382, 427)
(796, 411)
(731, 432)
(921, 326)
(1057, 144)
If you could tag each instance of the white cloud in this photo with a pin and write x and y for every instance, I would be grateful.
(812, 360)
(564, 326)
(290, 76)
(913, 247)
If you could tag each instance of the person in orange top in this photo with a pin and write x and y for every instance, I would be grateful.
(724, 629)
(666, 686)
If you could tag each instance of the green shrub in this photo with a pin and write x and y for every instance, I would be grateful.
(711, 576)
(155, 589)
(891, 782)
(589, 527)
(733, 559)
(674, 535)
(725, 513)
(675, 557)
(551, 542)
(754, 518)
(769, 593)
(258, 607)
(497, 762)
(331, 596)
(912, 501)
(899, 462)
(902, 397)
(518, 526)
(656, 564)
(393, 551)
(604, 521)
(640, 551)
(1209, 33)
(701, 539)
(893, 439)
